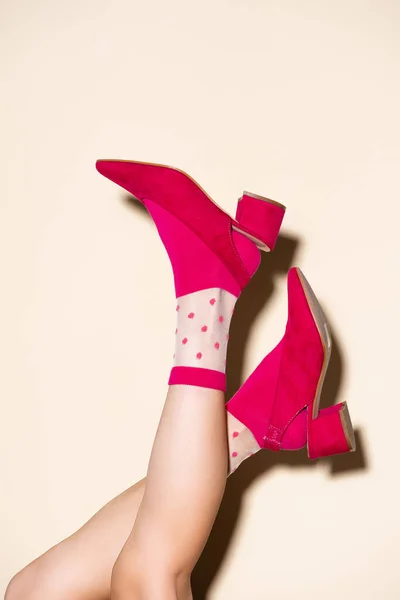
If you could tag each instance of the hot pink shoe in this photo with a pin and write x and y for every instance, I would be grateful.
(213, 257)
(195, 231)
(279, 402)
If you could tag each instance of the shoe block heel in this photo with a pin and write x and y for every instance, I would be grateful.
(261, 218)
(331, 432)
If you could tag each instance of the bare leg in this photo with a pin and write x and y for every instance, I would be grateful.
(185, 484)
(80, 567)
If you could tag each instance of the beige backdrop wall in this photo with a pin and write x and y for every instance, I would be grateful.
(295, 100)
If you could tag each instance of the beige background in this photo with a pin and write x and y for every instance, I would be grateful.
(295, 100)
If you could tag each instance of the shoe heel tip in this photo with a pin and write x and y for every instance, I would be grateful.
(260, 217)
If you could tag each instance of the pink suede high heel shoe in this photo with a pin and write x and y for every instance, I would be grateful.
(279, 402)
(195, 231)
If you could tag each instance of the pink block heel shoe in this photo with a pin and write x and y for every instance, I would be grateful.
(279, 402)
(262, 215)
(191, 223)
(331, 432)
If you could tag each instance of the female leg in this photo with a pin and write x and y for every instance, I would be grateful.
(212, 260)
(80, 567)
(184, 487)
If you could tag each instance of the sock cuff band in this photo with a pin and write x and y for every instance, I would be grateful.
(207, 378)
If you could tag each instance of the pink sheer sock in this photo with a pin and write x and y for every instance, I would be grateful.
(241, 443)
(202, 333)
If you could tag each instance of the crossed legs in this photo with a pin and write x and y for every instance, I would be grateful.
(172, 518)
(81, 566)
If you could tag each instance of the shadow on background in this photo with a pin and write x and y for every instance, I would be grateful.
(249, 305)
(134, 203)
(251, 302)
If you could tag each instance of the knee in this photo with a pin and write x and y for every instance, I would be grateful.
(21, 586)
(36, 582)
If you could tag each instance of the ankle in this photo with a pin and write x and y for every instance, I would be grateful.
(241, 443)
(201, 338)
